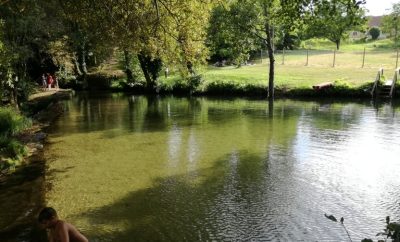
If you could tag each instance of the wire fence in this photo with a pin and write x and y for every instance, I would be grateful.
(332, 58)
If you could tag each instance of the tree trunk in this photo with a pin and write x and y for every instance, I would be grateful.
(128, 70)
(83, 60)
(14, 93)
(77, 69)
(337, 44)
(269, 43)
(143, 66)
(189, 66)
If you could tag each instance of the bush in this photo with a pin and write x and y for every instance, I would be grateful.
(11, 151)
(98, 81)
(14, 149)
(230, 88)
(374, 32)
(11, 122)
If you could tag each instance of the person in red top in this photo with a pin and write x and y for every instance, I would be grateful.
(49, 81)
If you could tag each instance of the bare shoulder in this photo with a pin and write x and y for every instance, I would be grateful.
(75, 234)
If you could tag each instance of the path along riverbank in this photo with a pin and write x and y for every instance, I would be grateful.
(22, 189)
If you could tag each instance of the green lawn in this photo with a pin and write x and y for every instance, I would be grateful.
(291, 70)
(291, 75)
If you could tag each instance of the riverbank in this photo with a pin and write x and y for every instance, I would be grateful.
(226, 88)
(21, 131)
(22, 187)
(252, 81)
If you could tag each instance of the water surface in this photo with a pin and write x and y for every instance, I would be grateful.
(136, 168)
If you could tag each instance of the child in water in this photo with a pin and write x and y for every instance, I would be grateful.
(59, 231)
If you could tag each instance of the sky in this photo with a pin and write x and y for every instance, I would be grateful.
(379, 7)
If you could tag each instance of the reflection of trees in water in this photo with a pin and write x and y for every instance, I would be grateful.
(250, 190)
(153, 113)
(225, 201)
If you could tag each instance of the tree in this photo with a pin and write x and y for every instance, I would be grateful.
(258, 20)
(23, 37)
(153, 30)
(332, 19)
(3, 63)
(374, 32)
(391, 22)
(225, 40)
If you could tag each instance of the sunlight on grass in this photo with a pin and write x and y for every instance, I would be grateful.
(293, 69)
(295, 73)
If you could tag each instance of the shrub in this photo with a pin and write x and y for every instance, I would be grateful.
(194, 82)
(374, 32)
(11, 122)
(231, 88)
(13, 149)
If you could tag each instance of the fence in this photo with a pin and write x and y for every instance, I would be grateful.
(356, 59)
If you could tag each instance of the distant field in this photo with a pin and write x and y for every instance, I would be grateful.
(294, 73)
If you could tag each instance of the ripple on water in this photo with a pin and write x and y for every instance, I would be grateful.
(223, 170)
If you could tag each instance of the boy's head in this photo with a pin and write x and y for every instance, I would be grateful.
(47, 216)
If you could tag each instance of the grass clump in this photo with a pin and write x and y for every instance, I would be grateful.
(11, 150)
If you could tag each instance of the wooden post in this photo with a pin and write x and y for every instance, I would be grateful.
(334, 58)
(307, 58)
(283, 56)
(362, 66)
(397, 58)
(261, 56)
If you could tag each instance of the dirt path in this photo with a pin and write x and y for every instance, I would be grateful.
(48, 93)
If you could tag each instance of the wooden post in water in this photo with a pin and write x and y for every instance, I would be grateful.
(283, 56)
(307, 58)
(397, 58)
(334, 58)
(362, 66)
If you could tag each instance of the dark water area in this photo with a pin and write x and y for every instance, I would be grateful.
(21, 198)
(135, 168)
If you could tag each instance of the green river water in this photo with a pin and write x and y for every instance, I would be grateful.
(135, 168)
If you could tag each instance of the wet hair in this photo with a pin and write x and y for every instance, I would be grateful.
(47, 213)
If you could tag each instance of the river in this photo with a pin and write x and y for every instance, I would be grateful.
(135, 168)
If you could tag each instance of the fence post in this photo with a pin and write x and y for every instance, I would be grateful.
(307, 58)
(334, 58)
(283, 56)
(397, 58)
(362, 66)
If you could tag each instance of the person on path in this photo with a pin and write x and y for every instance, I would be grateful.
(55, 79)
(49, 81)
(44, 82)
(59, 230)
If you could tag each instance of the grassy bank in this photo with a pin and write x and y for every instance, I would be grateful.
(11, 124)
(21, 131)
(290, 79)
(351, 70)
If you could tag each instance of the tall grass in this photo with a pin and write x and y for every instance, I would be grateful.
(11, 150)
(11, 122)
